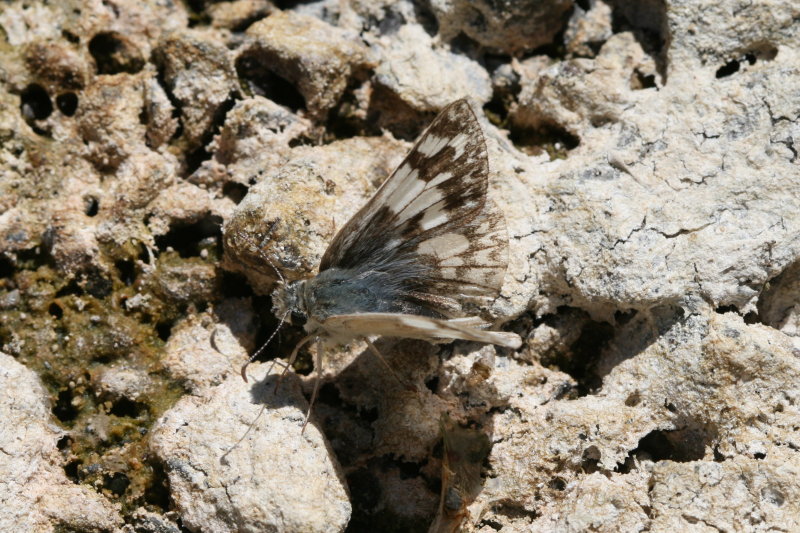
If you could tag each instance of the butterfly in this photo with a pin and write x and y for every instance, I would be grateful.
(423, 254)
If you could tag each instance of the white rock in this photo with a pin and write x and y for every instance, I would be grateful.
(275, 479)
(35, 493)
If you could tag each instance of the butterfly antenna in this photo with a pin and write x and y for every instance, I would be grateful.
(259, 249)
(263, 347)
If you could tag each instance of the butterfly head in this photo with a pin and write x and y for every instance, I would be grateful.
(288, 300)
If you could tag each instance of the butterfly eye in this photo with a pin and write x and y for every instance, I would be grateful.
(297, 318)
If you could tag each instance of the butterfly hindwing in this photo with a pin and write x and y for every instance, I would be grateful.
(415, 327)
(433, 212)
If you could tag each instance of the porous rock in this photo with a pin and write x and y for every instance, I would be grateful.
(275, 478)
(411, 69)
(509, 27)
(317, 57)
(35, 494)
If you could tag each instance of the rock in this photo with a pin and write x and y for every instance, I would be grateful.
(319, 59)
(36, 494)
(297, 208)
(509, 28)
(275, 478)
(203, 350)
(411, 66)
(199, 72)
(236, 15)
(258, 137)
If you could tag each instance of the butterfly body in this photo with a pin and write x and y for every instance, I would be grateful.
(427, 250)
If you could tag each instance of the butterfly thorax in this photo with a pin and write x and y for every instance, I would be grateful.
(337, 291)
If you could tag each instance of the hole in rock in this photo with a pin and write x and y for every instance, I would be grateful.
(91, 206)
(55, 310)
(63, 408)
(157, 492)
(255, 74)
(126, 269)
(550, 138)
(115, 54)
(681, 445)
(235, 191)
(117, 483)
(164, 329)
(123, 407)
(35, 103)
(67, 103)
(186, 238)
(71, 470)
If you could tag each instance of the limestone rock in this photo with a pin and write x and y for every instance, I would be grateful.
(276, 478)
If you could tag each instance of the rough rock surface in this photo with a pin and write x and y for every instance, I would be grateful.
(222, 484)
(164, 164)
(35, 494)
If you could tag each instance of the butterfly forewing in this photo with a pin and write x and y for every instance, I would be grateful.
(433, 212)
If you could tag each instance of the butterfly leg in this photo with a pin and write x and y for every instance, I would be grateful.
(292, 358)
(318, 378)
(402, 382)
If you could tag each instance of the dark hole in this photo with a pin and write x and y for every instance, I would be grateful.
(365, 490)
(633, 399)
(117, 483)
(63, 408)
(91, 207)
(586, 5)
(186, 238)
(590, 460)
(642, 81)
(97, 285)
(683, 445)
(656, 445)
(127, 271)
(64, 442)
(113, 54)
(164, 329)
(235, 191)
(369, 415)
(329, 394)
(752, 318)
(67, 103)
(257, 77)
(71, 288)
(124, 407)
(726, 309)
(557, 484)
(729, 68)
(35, 103)
(71, 470)
(55, 310)
(408, 470)
(759, 455)
(551, 138)
(750, 58)
(70, 37)
(433, 384)
(584, 354)
(6, 267)
(235, 286)
(157, 491)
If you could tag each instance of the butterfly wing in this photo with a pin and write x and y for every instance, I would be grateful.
(433, 213)
(415, 327)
